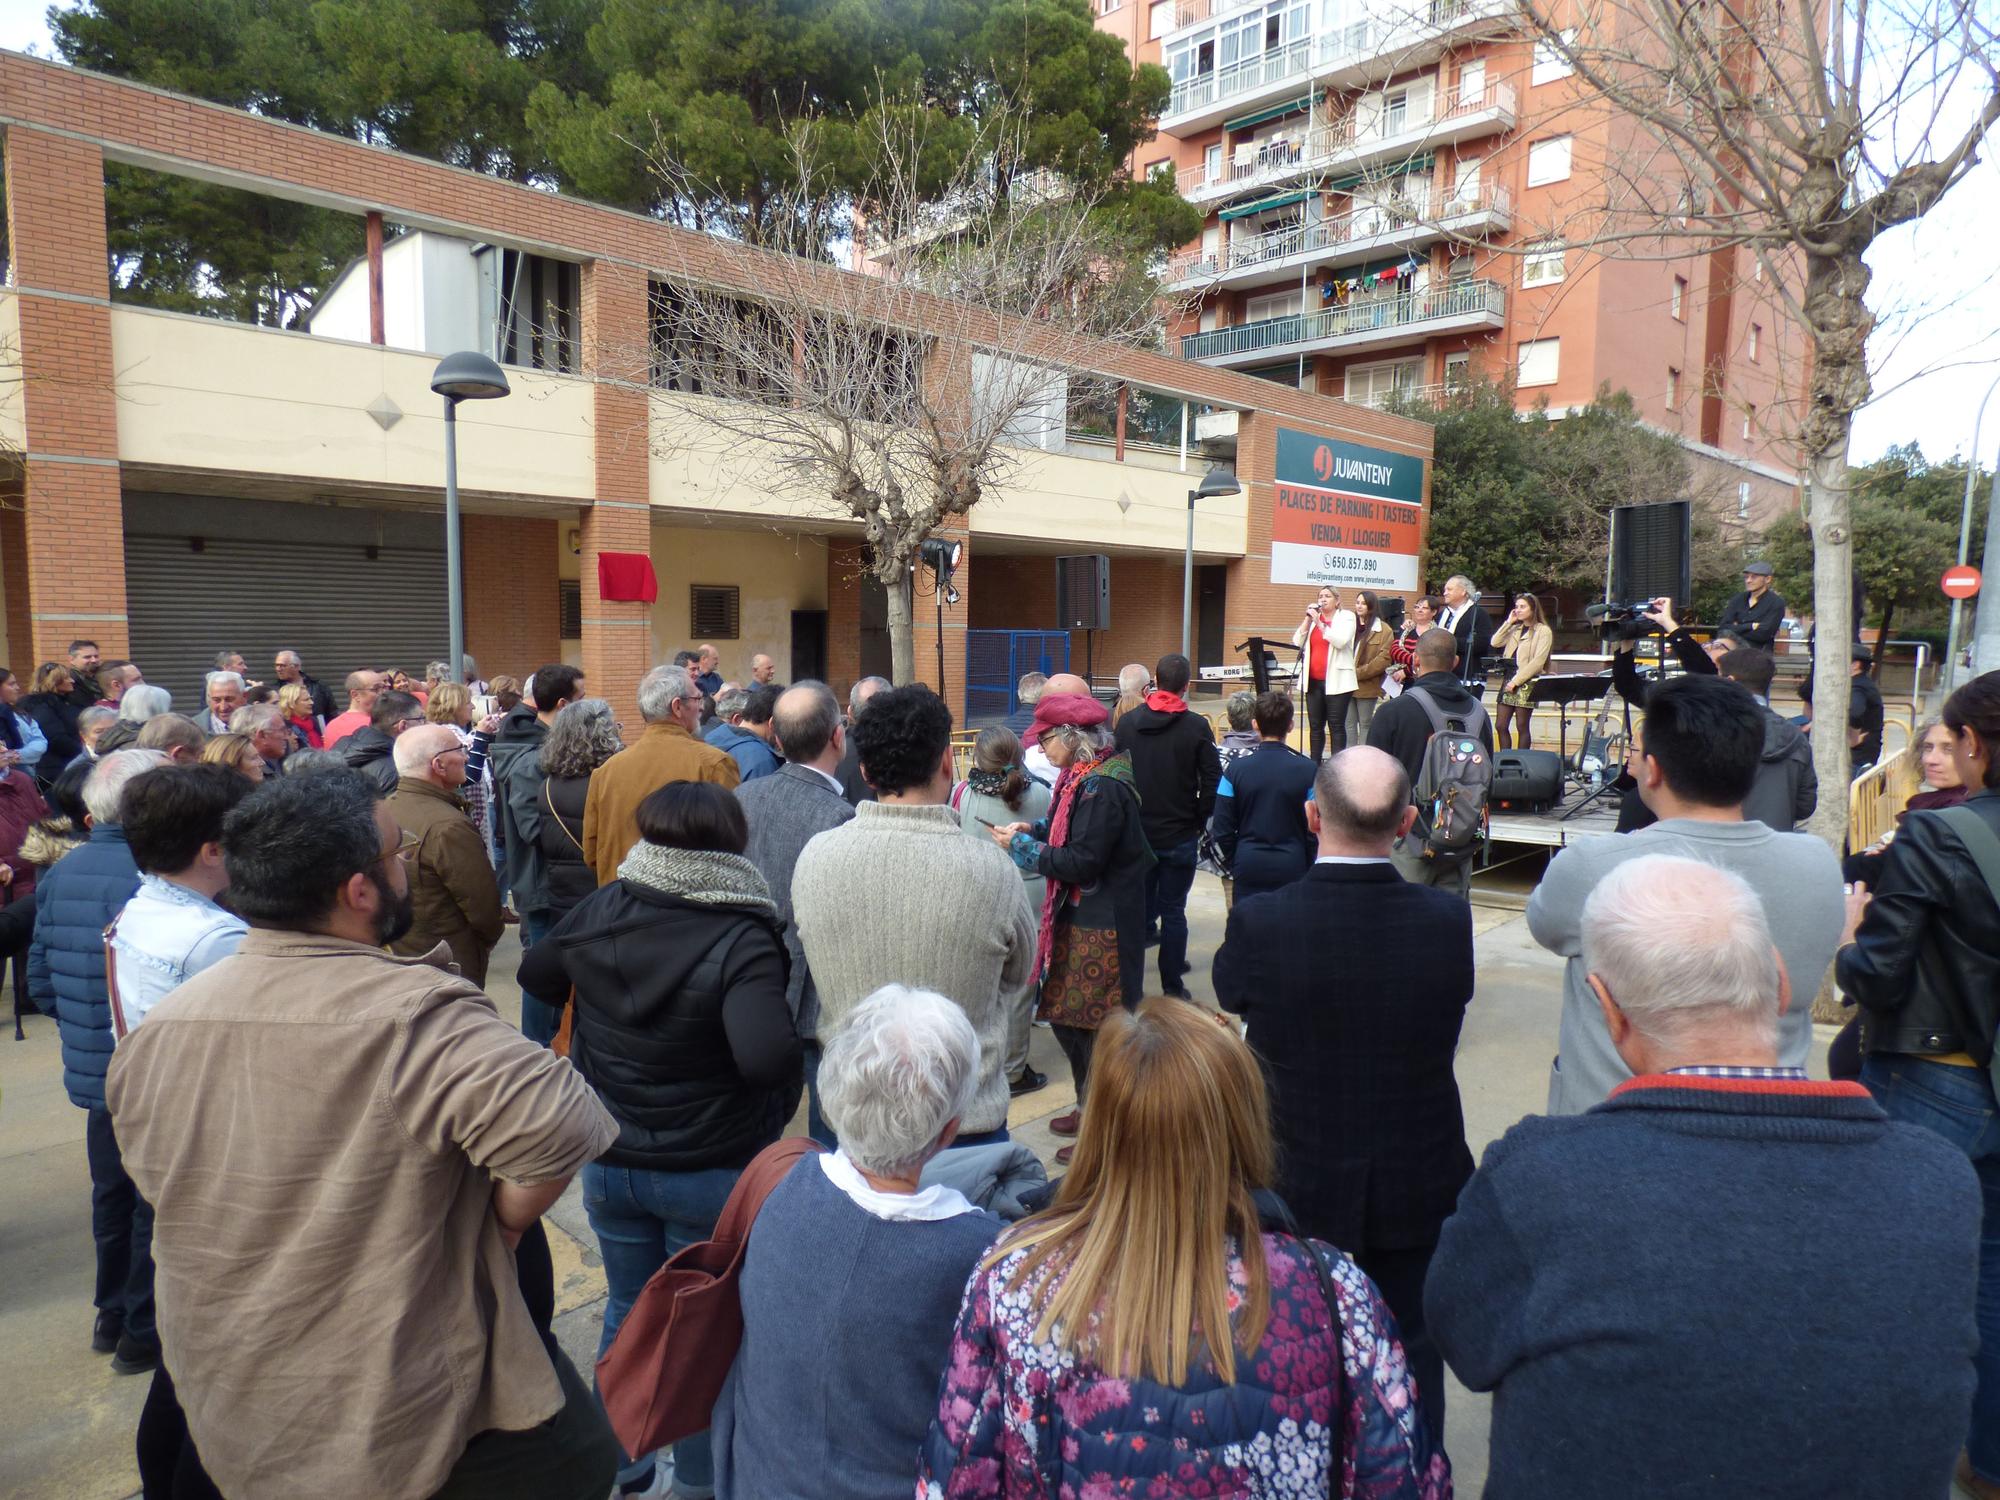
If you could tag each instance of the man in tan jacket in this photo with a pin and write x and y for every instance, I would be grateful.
(343, 1150)
(668, 751)
(454, 897)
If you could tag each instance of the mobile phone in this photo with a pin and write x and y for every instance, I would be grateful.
(977, 819)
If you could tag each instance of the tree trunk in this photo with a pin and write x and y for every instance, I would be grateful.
(902, 638)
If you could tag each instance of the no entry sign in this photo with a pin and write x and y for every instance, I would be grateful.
(1961, 582)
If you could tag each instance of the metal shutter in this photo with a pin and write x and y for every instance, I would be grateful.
(338, 607)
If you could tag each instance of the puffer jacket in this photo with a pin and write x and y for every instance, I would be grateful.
(1925, 964)
(566, 876)
(681, 1023)
(75, 900)
(373, 754)
(1787, 787)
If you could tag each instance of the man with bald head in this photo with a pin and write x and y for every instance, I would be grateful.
(454, 899)
(1354, 983)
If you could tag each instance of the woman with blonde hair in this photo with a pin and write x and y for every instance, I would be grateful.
(1124, 1341)
(236, 751)
(295, 703)
(1525, 640)
(450, 704)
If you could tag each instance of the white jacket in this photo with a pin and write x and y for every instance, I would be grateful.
(1338, 633)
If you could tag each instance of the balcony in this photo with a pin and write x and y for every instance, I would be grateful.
(1328, 148)
(1368, 51)
(1374, 323)
(1370, 230)
(1193, 12)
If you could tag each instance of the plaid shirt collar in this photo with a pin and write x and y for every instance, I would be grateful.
(1705, 1070)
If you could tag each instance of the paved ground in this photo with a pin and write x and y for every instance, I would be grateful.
(69, 1435)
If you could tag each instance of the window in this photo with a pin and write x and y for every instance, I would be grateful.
(1536, 361)
(1550, 64)
(1677, 301)
(1464, 188)
(1375, 385)
(1673, 389)
(1109, 7)
(1159, 20)
(1164, 164)
(1544, 264)
(1472, 85)
(1211, 318)
(1756, 341)
(569, 609)
(1457, 371)
(1395, 111)
(1548, 161)
(1749, 420)
(714, 609)
(1211, 163)
(1757, 268)
(1743, 500)
(1282, 305)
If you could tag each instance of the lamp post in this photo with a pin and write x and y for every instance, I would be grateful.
(1220, 480)
(465, 376)
(1965, 540)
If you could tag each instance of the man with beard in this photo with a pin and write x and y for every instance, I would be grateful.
(316, 1080)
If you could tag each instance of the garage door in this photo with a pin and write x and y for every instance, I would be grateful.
(338, 607)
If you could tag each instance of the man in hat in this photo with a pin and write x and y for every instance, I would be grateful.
(1754, 616)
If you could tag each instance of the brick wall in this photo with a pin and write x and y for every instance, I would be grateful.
(843, 616)
(617, 634)
(72, 523)
(512, 615)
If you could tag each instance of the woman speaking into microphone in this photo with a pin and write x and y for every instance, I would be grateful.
(1326, 635)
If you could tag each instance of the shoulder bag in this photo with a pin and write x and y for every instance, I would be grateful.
(660, 1378)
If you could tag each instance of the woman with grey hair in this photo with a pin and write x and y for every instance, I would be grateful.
(1091, 954)
(852, 1281)
(582, 738)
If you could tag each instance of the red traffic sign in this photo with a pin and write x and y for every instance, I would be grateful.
(1961, 582)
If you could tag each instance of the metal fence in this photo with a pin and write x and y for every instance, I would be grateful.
(997, 659)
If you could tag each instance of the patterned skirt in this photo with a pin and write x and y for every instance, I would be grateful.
(1520, 697)
(1083, 982)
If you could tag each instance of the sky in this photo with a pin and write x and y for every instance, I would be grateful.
(1934, 286)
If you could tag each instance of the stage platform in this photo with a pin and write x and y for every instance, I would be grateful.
(1548, 830)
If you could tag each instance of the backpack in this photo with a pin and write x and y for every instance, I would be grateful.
(1454, 781)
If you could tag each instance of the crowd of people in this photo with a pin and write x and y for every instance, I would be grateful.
(319, 1158)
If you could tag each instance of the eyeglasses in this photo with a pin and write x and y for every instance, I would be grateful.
(405, 849)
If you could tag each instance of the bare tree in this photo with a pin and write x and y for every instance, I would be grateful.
(898, 400)
(1783, 137)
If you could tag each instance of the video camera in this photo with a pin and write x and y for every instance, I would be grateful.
(1622, 622)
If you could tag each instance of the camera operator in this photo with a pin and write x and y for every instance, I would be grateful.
(1696, 659)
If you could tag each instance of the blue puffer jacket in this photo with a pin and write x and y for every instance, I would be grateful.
(74, 902)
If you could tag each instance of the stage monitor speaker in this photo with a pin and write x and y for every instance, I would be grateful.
(1392, 611)
(1526, 780)
(1083, 592)
(1652, 552)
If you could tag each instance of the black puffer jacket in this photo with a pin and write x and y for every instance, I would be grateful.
(57, 717)
(1925, 965)
(681, 1023)
(373, 754)
(1176, 768)
(568, 877)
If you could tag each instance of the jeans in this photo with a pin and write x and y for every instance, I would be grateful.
(642, 1218)
(1167, 886)
(1958, 1104)
(539, 1022)
(1360, 714)
(816, 1125)
(122, 1224)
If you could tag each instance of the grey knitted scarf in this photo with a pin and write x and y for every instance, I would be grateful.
(704, 876)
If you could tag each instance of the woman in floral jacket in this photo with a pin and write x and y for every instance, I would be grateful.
(1076, 1370)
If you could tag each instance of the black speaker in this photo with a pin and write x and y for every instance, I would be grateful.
(1392, 611)
(1083, 592)
(1652, 552)
(1526, 780)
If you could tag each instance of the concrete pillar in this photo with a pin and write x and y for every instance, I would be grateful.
(617, 636)
(72, 528)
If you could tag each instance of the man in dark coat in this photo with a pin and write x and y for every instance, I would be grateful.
(287, 666)
(371, 751)
(1471, 628)
(1176, 770)
(1354, 983)
(1756, 615)
(76, 899)
(1403, 729)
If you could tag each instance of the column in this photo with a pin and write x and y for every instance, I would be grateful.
(617, 635)
(72, 527)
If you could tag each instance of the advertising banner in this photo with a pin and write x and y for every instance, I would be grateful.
(1345, 514)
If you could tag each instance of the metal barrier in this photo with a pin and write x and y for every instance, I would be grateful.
(1878, 794)
(997, 659)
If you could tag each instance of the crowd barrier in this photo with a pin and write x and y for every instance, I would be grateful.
(1878, 794)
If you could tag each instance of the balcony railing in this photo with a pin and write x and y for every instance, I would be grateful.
(1363, 223)
(1327, 53)
(1458, 299)
(1323, 145)
(1191, 11)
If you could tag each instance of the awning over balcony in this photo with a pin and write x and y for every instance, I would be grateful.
(1354, 180)
(1275, 112)
(1262, 205)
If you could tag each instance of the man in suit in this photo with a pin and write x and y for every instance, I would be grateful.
(1470, 627)
(803, 797)
(1364, 1104)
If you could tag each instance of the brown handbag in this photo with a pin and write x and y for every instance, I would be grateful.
(660, 1378)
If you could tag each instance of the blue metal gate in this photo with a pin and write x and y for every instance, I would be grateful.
(997, 659)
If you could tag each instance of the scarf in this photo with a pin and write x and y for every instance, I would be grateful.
(1949, 796)
(1162, 701)
(988, 783)
(1118, 767)
(706, 877)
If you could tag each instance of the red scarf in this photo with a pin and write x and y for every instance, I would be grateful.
(1165, 702)
(1067, 781)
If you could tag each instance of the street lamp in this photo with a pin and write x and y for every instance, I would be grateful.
(1220, 480)
(1965, 539)
(465, 376)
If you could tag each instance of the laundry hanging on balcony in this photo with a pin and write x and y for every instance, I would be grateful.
(1339, 289)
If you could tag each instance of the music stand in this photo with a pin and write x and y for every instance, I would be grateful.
(1567, 689)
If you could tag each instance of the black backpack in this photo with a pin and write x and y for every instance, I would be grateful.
(1454, 781)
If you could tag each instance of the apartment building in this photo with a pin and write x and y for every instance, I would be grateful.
(174, 485)
(1387, 184)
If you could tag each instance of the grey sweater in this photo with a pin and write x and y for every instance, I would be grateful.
(901, 896)
(1794, 874)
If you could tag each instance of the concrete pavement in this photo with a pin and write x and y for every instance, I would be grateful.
(71, 1421)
